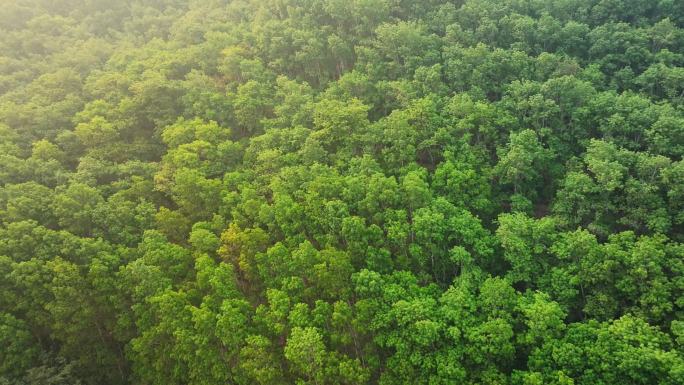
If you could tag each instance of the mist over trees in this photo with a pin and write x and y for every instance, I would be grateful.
(331, 192)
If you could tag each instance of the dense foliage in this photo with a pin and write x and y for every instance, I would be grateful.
(342, 192)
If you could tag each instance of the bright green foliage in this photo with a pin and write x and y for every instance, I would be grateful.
(342, 192)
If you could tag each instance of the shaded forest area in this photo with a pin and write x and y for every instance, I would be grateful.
(334, 192)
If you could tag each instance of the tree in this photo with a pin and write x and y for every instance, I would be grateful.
(520, 165)
(75, 208)
(306, 351)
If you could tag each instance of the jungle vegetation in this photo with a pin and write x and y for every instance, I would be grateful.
(331, 192)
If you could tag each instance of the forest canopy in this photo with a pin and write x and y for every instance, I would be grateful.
(342, 192)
